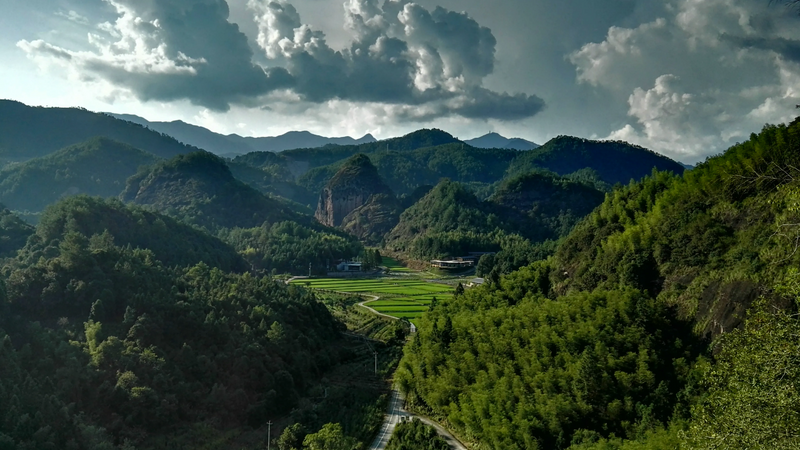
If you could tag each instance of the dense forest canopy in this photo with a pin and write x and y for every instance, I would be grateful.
(103, 346)
(98, 166)
(606, 344)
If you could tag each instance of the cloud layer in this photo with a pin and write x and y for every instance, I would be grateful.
(702, 76)
(415, 63)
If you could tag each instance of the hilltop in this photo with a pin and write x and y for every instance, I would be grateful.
(29, 132)
(199, 188)
(98, 166)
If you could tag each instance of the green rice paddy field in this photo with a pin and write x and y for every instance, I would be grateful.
(401, 298)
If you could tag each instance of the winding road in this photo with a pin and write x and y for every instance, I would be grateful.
(397, 414)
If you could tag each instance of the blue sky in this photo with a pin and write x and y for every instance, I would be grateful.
(686, 78)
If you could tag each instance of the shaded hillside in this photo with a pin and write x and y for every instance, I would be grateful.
(98, 166)
(545, 205)
(29, 132)
(613, 161)
(14, 232)
(531, 208)
(448, 221)
(267, 182)
(171, 242)
(103, 347)
(300, 161)
(199, 188)
(352, 187)
(605, 344)
(406, 171)
(232, 144)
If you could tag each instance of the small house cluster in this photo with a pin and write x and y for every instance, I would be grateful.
(459, 262)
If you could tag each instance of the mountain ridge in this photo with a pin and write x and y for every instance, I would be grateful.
(230, 144)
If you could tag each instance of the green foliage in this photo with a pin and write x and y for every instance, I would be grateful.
(199, 188)
(521, 220)
(612, 161)
(14, 232)
(752, 399)
(415, 435)
(104, 344)
(513, 369)
(330, 437)
(98, 166)
(130, 226)
(601, 346)
(288, 247)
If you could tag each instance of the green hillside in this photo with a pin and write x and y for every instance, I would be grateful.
(14, 232)
(613, 161)
(129, 225)
(29, 132)
(526, 211)
(104, 347)
(200, 189)
(606, 344)
(98, 166)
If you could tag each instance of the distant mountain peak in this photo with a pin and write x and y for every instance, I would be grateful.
(496, 140)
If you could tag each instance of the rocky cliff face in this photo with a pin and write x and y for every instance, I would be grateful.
(372, 221)
(349, 189)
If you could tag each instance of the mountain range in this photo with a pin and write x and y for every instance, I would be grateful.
(233, 144)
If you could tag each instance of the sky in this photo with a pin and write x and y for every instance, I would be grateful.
(686, 78)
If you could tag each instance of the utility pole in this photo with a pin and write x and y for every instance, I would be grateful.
(309, 270)
(269, 433)
(376, 362)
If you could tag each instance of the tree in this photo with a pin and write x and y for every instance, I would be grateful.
(330, 437)
(292, 437)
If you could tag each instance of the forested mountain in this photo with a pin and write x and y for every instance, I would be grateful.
(451, 221)
(29, 132)
(103, 346)
(613, 161)
(14, 232)
(494, 140)
(234, 144)
(170, 242)
(199, 188)
(98, 166)
(605, 345)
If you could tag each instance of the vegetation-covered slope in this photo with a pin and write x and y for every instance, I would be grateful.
(608, 336)
(451, 221)
(613, 161)
(28, 132)
(98, 166)
(199, 188)
(170, 242)
(14, 232)
(101, 346)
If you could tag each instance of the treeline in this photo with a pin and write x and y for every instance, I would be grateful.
(605, 345)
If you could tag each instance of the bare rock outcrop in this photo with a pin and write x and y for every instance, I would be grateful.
(349, 189)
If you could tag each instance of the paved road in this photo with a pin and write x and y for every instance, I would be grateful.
(396, 414)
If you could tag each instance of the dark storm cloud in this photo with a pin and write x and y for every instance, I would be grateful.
(170, 50)
(400, 54)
